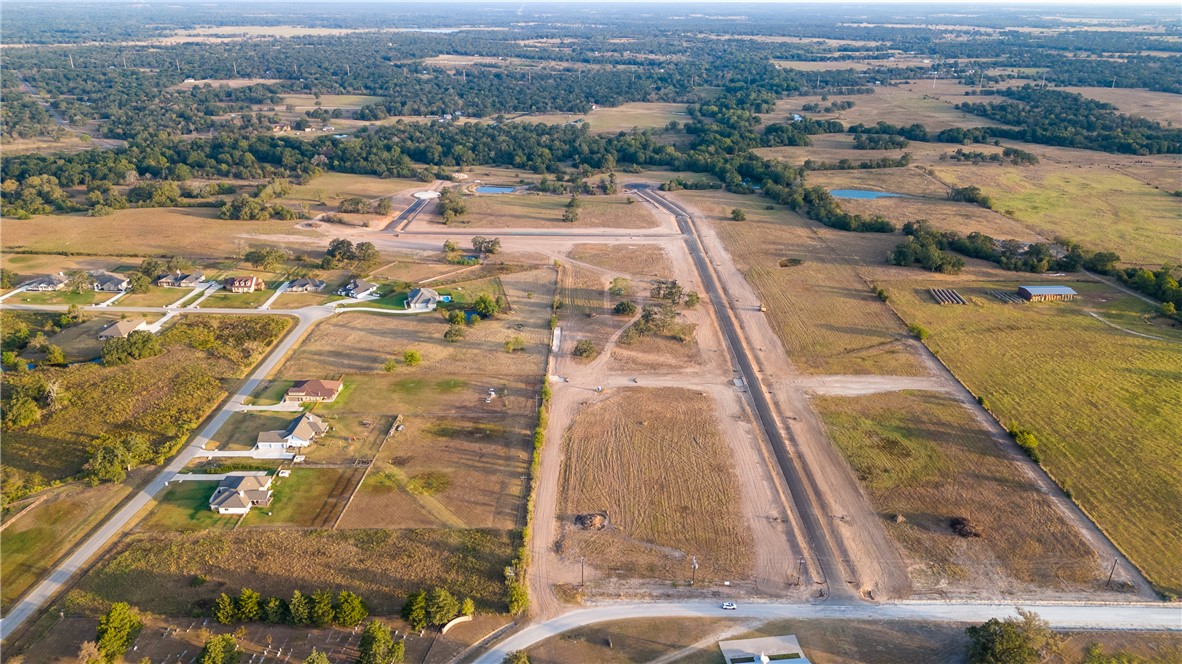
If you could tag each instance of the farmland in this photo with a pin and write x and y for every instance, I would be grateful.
(1100, 400)
(898, 105)
(545, 211)
(924, 456)
(641, 115)
(654, 462)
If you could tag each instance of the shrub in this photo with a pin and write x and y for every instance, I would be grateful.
(412, 358)
(116, 630)
(625, 308)
(585, 348)
(738, 214)
(515, 343)
(919, 331)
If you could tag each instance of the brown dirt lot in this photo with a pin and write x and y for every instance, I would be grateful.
(648, 260)
(654, 460)
(924, 456)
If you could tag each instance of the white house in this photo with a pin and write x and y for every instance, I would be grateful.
(300, 433)
(240, 491)
(358, 288)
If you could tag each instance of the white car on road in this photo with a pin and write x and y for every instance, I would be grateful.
(729, 606)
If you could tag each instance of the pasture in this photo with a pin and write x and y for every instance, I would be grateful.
(1158, 106)
(924, 456)
(898, 105)
(653, 459)
(1101, 401)
(545, 211)
(625, 117)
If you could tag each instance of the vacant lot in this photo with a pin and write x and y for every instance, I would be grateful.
(925, 457)
(311, 102)
(80, 342)
(631, 640)
(653, 460)
(641, 115)
(639, 260)
(192, 232)
(330, 188)
(308, 498)
(155, 297)
(545, 211)
(1101, 401)
(826, 316)
(1159, 106)
(897, 105)
(153, 570)
(1123, 214)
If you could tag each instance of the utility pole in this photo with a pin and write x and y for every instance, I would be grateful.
(1110, 573)
(694, 566)
(800, 571)
(582, 571)
(71, 60)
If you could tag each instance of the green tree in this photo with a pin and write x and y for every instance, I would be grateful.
(7, 278)
(442, 606)
(625, 308)
(739, 214)
(266, 258)
(414, 611)
(585, 348)
(455, 317)
(137, 282)
(468, 608)
(454, 333)
(486, 306)
(390, 365)
(516, 657)
(78, 281)
(248, 608)
(692, 298)
(412, 358)
(54, 355)
(366, 256)
(151, 267)
(317, 657)
(384, 206)
(322, 613)
(1168, 309)
(224, 610)
(377, 645)
(350, 610)
(1023, 640)
(570, 215)
(515, 343)
(274, 612)
(116, 630)
(450, 247)
(298, 609)
(220, 649)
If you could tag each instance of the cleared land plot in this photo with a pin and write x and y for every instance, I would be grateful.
(655, 462)
(647, 260)
(545, 211)
(308, 498)
(225, 299)
(1160, 106)
(309, 102)
(826, 65)
(925, 457)
(59, 297)
(331, 187)
(1102, 402)
(631, 640)
(241, 430)
(155, 297)
(153, 571)
(896, 105)
(225, 82)
(826, 316)
(1123, 214)
(192, 232)
(34, 542)
(642, 115)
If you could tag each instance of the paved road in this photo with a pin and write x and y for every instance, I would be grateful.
(1076, 616)
(806, 507)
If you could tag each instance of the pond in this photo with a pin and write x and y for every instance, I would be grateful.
(864, 194)
(492, 189)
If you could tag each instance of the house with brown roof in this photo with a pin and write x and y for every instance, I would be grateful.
(305, 285)
(300, 433)
(240, 491)
(121, 328)
(313, 390)
(243, 284)
(181, 280)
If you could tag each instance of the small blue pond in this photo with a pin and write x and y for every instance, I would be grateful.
(492, 189)
(862, 194)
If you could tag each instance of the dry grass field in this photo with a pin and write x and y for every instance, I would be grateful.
(308, 102)
(1123, 214)
(226, 82)
(631, 640)
(893, 104)
(625, 117)
(153, 570)
(1159, 106)
(823, 65)
(1101, 401)
(925, 456)
(637, 260)
(545, 211)
(654, 460)
(308, 498)
(331, 187)
(825, 315)
(190, 232)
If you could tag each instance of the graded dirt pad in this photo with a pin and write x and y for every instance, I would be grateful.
(534, 210)
(827, 318)
(638, 260)
(1100, 400)
(654, 461)
(153, 571)
(925, 457)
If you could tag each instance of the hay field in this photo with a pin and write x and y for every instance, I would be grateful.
(1159, 106)
(191, 232)
(545, 211)
(826, 316)
(152, 571)
(1122, 214)
(924, 455)
(1102, 402)
(625, 117)
(894, 104)
(654, 460)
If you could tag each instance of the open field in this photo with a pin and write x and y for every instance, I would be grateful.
(825, 315)
(153, 571)
(155, 297)
(1100, 401)
(309, 102)
(641, 115)
(308, 498)
(924, 456)
(191, 232)
(28, 266)
(1159, 106)
(227, 82)
(224, 298)
(46, 531)
(631, 640)
(638, 260)
(655, 462)
(1123, 214)
(545, 211)
(60, 297)
(824, 65)
(894, 104)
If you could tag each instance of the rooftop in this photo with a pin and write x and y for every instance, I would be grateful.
(1048, 290)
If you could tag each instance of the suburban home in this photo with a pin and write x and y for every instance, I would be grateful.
(422, 299)
(357, 288)
(305, 285)
(1046, 293)
(300, 433)
(109, 282)
(243, 284)
(179, 280)
(313, 390)
(121, 328)
(240, 491)
(48, 282)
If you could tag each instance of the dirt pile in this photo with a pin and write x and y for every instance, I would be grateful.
(592, 521)
(963, 527)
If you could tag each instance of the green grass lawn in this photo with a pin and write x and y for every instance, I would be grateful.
(155, 297)
(1103, 403)
(241, 430)
(60, 297)
(271, 393)
(185, 506)
(224, 298)
(297, 499)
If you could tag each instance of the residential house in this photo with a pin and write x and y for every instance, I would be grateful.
(180, 280)
(358, 288)
(313, 390)
(121, 328)
(48, 282)
(109, 282)
(300, 433)
(243, 284)
(305, 285)
(422, 299)
(240, 491)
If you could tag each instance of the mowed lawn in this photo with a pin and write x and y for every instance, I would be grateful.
(1103, 403)
(185, 506)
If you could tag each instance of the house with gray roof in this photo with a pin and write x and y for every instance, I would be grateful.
(422, 299)
(109, 282)
(299, 433)
(48, 282)
(240, 491)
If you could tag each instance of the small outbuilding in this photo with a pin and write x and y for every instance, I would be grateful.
(1046, 293)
